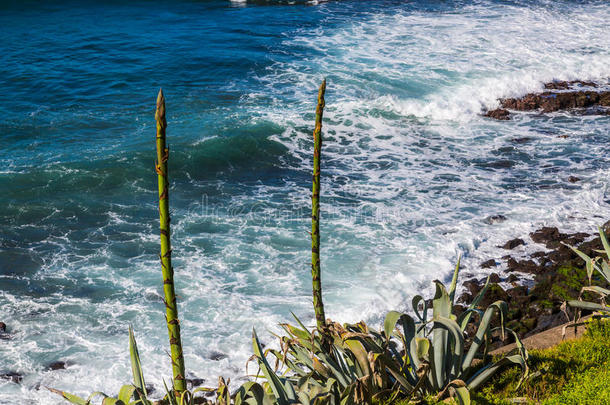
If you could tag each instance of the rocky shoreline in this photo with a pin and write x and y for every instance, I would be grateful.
(558, 275)
(577, 96)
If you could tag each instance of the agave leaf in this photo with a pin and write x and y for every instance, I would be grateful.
(72, 398)
(304, 328)
(360, 354)
(487, 372)
(319, 368)
(582, 255)
(408, 328)
(605, 243)
(605, 270)
(479, 337)
(126, 392)
(423, 316)
(249, 389)
(454, 280)
(592, 306)
(296, 332)
(347, 397)
(303, 398)
(441, 308)
(171, 398)
(465, 317)
(276, 385)
(462, 395)
(136, 367)
(454, 362)
(596, 289)
(335, 369)
(390, 323)
(112, 401)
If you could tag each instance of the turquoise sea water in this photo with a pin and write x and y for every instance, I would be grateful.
(410, 168)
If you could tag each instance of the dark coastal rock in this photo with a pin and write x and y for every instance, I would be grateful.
(498, 114)
(217, 356)
(12, 376)
(573, 179)
(549, 101)
(488, 264)
(565, 85)
(522, 140)
(546, 234)
(194, 382)
(524, 266)
(4, 335)
(558, 275)
(513, 243)
(494, 219)
(560, 96)
(57, 365)
(150, 389)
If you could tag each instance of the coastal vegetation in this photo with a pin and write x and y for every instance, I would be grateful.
(439, 354)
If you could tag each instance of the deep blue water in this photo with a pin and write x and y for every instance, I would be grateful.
(410, 168)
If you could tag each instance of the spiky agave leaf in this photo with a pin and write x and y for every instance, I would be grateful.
(139, 393)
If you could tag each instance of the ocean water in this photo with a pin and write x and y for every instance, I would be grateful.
(410, 168)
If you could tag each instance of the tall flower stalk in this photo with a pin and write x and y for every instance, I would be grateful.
(171, 307)
(315, 214)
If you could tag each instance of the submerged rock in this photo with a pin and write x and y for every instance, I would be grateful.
(194, 382)
(498, 114)
(494, 219)
(12, 376)
(217, 356)
(3, 333)
(57, 365)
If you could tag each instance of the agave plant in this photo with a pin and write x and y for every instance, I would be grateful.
(438, 356)
(602, 265)
(418, 356)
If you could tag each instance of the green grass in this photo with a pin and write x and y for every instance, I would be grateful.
(573, 372)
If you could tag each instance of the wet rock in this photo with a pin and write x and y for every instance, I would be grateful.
(194, 382)
(217, 356)
(565, 85)
(511, 244)
(4, 335)
(12, 376)
(494, 219)
(524, 139)
(517, 292)
(573, 179)
(488, 264)
(150, 389)
(549, 101)
(546, 234)
(494, 278)
(498, 114)
(577, 95)
(56, 365)
(523, 266)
